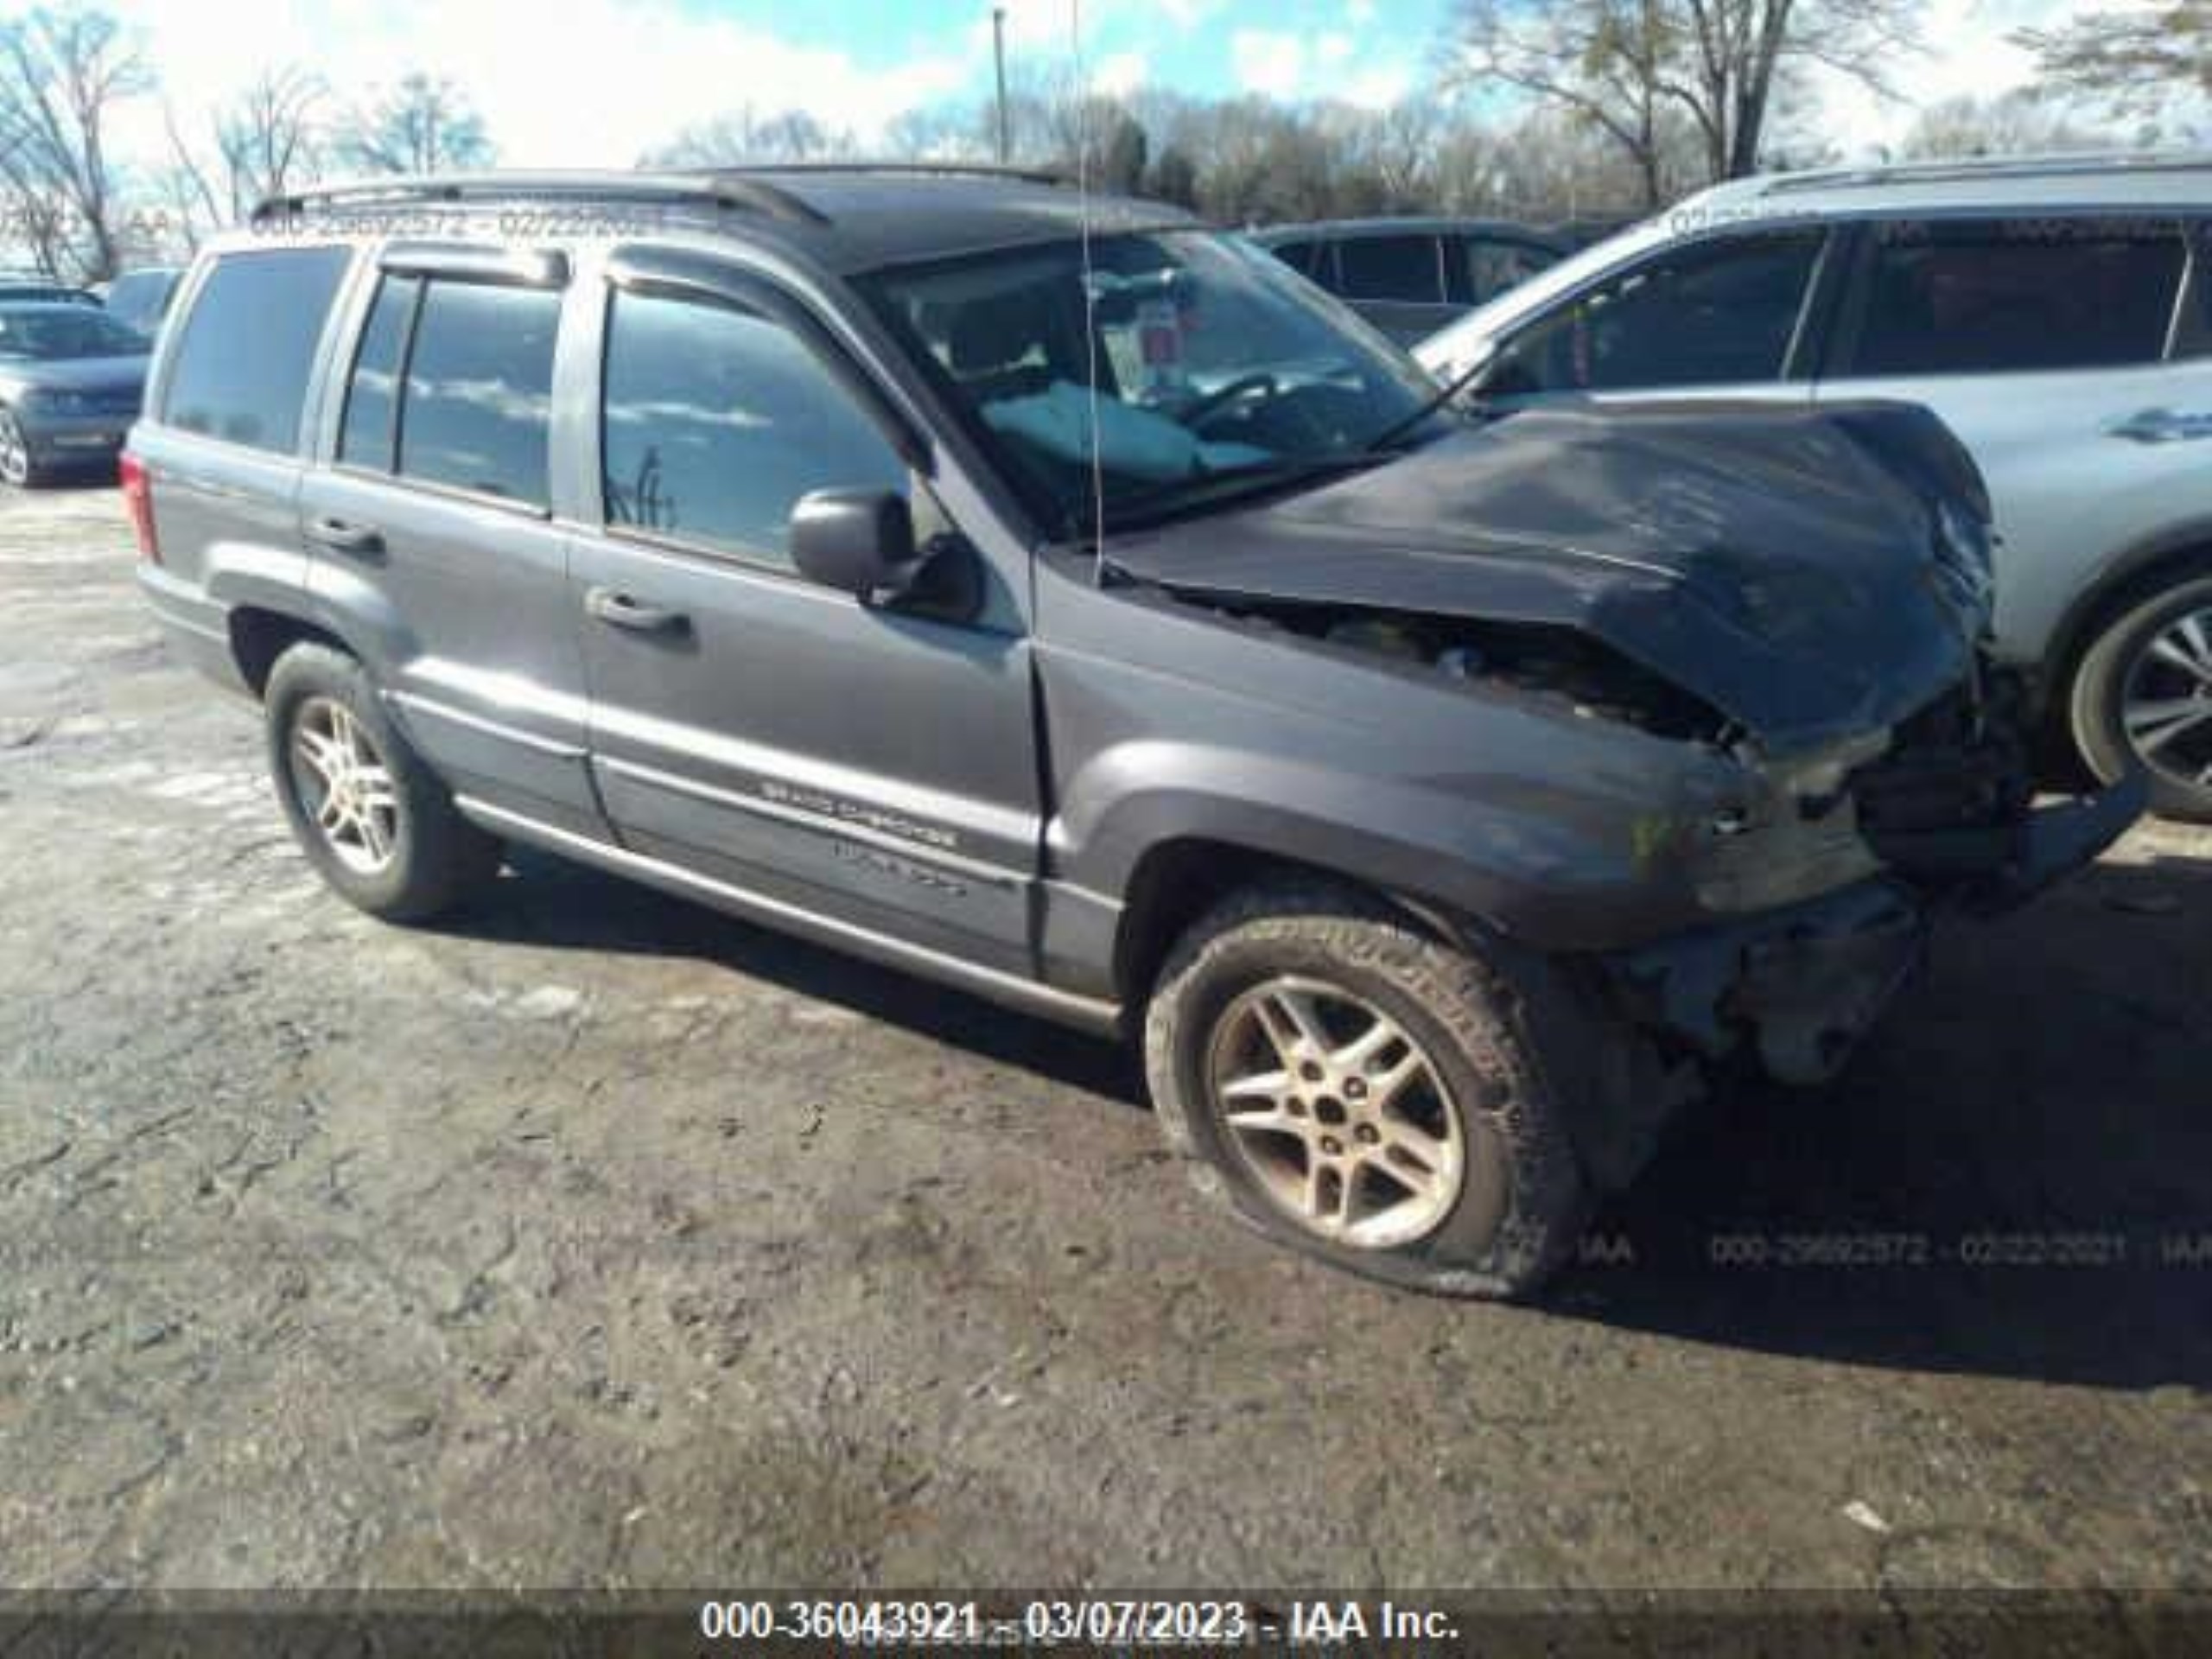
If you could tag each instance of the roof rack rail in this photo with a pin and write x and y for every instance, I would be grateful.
(911, 169)
(718, 189)
(2077, 163)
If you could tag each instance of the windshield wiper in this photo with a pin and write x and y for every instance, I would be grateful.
(1445, 395)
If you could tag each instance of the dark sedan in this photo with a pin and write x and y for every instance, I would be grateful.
(71, 379)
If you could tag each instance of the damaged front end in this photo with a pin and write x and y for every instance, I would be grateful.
(1798, 601)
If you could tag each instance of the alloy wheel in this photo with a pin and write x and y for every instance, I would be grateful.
(344, 786)
(14, 454)
(1342, 1119)
(2166, 705)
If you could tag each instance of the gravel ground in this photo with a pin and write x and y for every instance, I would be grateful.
(594, 1240)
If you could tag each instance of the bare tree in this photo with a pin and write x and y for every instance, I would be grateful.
(264, 141)
(1604, 60)
(748, 134)
(62, 71)
(2132, 60)
(1737, 50)
(1624, 66)
(2016, 123)
(1175, 177)
(936, 133)
(424, 124)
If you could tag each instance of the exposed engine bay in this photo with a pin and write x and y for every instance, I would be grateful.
(1595, 679)
(1938, 799)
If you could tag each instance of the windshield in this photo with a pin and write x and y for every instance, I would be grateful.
(1215, 365)
(46, 335)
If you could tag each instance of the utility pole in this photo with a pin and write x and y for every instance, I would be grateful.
(998, 55)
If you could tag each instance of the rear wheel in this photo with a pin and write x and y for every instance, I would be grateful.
(1351, 1086)
(372, 818)
(2143, 698)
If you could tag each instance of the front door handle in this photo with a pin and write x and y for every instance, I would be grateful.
(2163, 426)
(612, 605)
(342, 536)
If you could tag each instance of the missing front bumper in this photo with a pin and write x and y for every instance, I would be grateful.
(1802, 984)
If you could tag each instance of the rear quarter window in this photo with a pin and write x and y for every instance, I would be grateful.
(245, 350)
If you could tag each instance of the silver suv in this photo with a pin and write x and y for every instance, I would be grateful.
(2056, 313)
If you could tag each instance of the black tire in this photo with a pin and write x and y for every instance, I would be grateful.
(1522, 1199)
(435, 857)
(2119, 660)
(17, 468)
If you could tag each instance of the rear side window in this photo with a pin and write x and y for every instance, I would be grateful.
(1391, 268)
(717, 421)
(242, 363)
(477, 392)
(1712, 315)
(1991, 296)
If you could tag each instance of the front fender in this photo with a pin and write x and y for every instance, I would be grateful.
(1588, 861)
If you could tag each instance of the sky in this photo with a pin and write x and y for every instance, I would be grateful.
(595, 82)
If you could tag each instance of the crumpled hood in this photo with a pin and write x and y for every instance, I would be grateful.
(1779, 563)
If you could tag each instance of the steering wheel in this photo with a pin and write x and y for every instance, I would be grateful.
(1218, 399)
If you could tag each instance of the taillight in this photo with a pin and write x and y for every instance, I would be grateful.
(138, 496)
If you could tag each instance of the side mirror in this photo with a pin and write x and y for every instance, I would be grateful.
(860, 541)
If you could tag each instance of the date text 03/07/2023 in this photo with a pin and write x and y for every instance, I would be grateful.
(1194, 1623)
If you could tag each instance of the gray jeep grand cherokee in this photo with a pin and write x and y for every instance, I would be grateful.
(1074, 606)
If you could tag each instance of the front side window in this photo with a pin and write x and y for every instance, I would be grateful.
(1207, 363)
(242, 363)
(1999, 296)
(477, 393)
(715, 422)
(1403, 267)
(1714, 314)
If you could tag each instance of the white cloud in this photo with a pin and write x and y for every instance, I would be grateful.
(592, 84)
(1334, 48)
(1267, 62)
(1119, 75)
(1360, 12)
(1967, 52)
(1380, 86)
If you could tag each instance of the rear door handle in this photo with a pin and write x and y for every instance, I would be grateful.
(340, 536)
(2164, 426)
(622, 610)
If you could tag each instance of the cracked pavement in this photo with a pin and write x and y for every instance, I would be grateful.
(594, 1240)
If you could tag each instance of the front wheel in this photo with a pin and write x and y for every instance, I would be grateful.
(372, 818)
(2143, 698)
(17, 469)
(1355, 1087)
